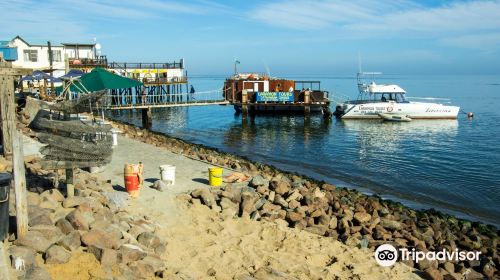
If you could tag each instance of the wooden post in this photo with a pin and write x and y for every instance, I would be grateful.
(70, 188)
(13, 142)
(8, 112)
(7, 103)
(20, 184)
(147, 118)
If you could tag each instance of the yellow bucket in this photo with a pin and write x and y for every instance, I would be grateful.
(215, 176)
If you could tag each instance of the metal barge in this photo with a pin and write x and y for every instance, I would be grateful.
(258, 93)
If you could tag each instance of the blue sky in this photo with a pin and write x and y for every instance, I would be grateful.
(286, 36)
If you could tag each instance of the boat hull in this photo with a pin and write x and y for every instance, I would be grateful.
(414, 110)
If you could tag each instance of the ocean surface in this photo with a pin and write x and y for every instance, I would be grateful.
(449, 165)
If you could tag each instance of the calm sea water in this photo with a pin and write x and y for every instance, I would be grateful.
(450, 165)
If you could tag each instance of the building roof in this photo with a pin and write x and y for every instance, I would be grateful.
(37, 43)
(78, 44)
(4, 43)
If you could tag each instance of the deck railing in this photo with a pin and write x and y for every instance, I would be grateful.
(138, 100)
(139, 65)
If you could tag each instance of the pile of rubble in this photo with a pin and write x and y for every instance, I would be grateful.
(92, 221)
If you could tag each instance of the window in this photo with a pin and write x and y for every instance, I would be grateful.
(56, 56)
(31, 55)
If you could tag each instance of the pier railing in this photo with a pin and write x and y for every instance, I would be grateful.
(131, 100)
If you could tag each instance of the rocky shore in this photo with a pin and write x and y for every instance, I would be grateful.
(342, 214)
(64, 233)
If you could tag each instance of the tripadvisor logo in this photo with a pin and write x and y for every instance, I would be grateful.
(387, 255)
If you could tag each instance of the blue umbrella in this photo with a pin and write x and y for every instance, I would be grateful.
(73, 73)
(40, 75)
(28, 78)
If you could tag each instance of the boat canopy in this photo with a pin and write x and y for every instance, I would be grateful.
(379, 89)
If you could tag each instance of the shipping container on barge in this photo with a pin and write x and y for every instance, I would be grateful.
(258, 93)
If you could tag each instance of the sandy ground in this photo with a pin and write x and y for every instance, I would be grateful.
(204, 245)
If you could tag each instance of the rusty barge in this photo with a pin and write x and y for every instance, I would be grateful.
(258, 93)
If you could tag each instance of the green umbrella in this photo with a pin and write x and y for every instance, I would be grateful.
(100, 79)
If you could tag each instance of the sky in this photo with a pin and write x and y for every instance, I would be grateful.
(287, 37)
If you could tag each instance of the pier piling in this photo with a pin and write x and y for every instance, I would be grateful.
(147, 118)
(244, 103)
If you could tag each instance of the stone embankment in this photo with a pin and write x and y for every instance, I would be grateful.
(346, 215)
(94, 221)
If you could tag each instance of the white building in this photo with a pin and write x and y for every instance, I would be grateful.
(36, 55)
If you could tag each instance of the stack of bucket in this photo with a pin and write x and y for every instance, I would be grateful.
(134, 178)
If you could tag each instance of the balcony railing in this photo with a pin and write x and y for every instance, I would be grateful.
(133, 65)
(164, 80)
(88, 62)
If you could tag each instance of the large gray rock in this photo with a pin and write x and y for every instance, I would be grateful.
(259, 181)
(77, 220)
(149, 240)
(362, 217)
(248, 201)
(130, 253)
(53, 194)
(317, 229)
(226, 203)
(57, 255)
(64, 225)
(71, 241)
(142, 270)
(390, 224)
(49, 203)
(43, 219)
(52, 233)
(205, 195)
(100, 239)
(22, 254)
(37, 273)
(107, 257)
(34, 240)
(74, 201)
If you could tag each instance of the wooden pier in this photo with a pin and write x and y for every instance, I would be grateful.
(146, 98)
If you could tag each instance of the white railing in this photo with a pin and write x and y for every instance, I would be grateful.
(136, 99)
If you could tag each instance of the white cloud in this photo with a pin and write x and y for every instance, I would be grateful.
(455, 23)
(71, 19)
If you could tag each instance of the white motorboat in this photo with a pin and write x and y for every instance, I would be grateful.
(375, 99)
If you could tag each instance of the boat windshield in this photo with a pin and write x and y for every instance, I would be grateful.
(398, 97)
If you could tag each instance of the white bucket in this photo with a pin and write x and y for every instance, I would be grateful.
(167, 173)
(114, 133)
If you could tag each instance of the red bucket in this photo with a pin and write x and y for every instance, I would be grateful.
(131, 178)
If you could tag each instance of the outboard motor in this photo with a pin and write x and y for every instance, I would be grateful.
(339, 111)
